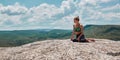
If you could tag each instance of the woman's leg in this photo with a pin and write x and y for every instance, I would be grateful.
(83, 39)
(90, 40)
(74, 40)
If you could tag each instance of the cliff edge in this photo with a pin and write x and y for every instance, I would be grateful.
(102, 49)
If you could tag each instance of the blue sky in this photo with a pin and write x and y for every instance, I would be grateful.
(30, 3)
(57, 14)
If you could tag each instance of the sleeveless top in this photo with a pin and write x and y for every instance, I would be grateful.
(77, 29)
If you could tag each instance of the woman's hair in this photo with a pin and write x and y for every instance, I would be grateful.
(76, 18)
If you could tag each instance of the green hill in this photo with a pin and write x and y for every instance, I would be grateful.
(103, 31)
(20, 37)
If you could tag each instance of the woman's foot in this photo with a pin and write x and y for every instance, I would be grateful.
(90, 40)
(71, 39)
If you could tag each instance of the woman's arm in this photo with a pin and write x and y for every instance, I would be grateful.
(80, 33)
(72, 33)
(82, 28)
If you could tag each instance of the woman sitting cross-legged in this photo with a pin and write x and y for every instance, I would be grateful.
(78, 31)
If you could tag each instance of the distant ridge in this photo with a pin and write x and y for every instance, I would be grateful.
(20, 37)
(103, 31)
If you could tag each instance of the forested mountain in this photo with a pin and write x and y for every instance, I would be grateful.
(20, 37)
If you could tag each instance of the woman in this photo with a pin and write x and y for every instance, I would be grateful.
(78, 31)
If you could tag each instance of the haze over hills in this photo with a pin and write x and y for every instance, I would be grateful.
(20, 37)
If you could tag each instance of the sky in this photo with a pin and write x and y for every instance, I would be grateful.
(57, 14)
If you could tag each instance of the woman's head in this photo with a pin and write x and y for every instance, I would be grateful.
(76, 19)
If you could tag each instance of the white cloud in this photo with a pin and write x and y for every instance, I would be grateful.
(105, 0)
(7, 20)
(50, 16)
(93, 2)
(112, 8)
(11, 15)
(110, 16)
(15, 9)
(43, 12)
(65, 4)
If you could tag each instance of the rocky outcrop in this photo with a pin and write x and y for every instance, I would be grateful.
(102, 49)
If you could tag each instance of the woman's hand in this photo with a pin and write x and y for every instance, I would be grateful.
(78, 39)
(71, 38)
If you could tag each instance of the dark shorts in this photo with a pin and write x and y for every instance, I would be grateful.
(82, 39)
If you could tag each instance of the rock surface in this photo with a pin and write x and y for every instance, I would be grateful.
(102, 49)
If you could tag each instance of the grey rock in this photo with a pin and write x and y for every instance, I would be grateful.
(102, 49)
